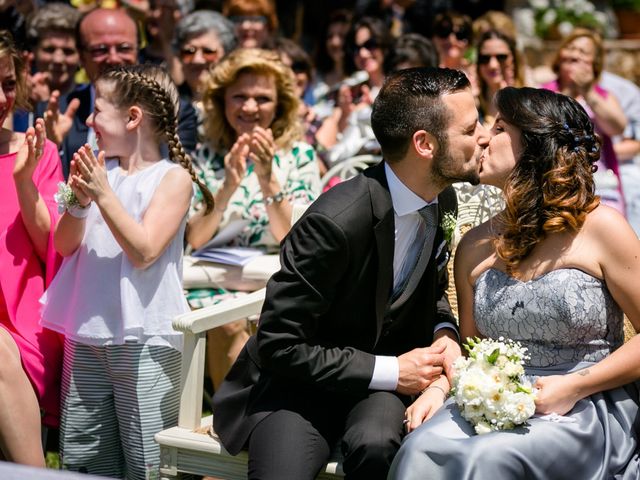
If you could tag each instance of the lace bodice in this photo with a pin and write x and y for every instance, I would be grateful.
(564, 316)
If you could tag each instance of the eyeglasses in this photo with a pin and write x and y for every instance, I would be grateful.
(254, 19)
(188, 52)
(102, 50)
(485, 59)
(370, 45)
(443, 31)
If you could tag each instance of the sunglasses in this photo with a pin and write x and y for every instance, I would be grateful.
(370, 45)
(443, 31)
(485, 59)
(253, 19)
(188, 52)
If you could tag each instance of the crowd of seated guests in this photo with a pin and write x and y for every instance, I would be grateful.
(263, 118)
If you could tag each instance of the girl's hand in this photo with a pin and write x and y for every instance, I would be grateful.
(74, 177)
(30, 152)
(556, 394)
(235, 163)
(93, 175)
(262, 151)
(425, 406)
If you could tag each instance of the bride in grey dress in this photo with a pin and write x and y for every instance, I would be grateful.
(554, 271)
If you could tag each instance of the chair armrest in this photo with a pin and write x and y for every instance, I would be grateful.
(225, 312)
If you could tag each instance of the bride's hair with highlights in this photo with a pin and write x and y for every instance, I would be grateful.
(551, 188)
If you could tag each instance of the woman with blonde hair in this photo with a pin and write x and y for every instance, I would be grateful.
(257, 167)
(578, 64)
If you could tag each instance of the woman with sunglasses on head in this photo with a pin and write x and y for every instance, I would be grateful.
(256, 21)
(578, 64)
(499, 65)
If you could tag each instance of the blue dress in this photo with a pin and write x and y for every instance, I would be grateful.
(568, 320)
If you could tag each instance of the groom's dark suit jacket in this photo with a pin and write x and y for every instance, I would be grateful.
(327, 311)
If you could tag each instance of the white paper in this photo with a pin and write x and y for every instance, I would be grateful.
(228, 255)
(231, 231)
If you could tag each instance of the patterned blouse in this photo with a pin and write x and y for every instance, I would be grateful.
(296, 171)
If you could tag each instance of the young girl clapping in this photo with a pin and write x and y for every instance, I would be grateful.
(119, 286)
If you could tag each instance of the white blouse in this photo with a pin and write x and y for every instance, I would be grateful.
(98, 297)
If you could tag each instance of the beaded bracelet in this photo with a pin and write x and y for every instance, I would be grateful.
(277, 198)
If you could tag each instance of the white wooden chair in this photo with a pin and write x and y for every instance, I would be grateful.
(192, 447)
(350, 167)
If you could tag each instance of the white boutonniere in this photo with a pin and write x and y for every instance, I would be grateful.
(65, 198)
(449, 224)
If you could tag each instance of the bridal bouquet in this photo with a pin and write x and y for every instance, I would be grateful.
(490, 387)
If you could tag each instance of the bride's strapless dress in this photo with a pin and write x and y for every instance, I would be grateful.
(568, 320)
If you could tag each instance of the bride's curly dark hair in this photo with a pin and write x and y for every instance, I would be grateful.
(551, 188)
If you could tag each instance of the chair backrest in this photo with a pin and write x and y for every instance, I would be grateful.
(476, 205)
(349, 168)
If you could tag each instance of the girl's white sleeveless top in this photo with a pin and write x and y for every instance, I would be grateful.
(98, 297)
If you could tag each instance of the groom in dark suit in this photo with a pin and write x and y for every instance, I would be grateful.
(357, 321)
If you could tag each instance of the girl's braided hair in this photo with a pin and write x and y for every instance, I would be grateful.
(150, 87)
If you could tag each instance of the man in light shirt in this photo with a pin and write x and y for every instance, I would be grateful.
(357, 321)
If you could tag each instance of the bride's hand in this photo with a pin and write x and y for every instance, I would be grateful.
(556, 394)
(424, 407)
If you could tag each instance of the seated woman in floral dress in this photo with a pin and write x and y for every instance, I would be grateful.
(257, 167)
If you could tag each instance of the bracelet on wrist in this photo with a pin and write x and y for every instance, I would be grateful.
(277, 198)
(446, 394)
(77, 211)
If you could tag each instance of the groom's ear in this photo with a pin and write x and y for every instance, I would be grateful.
(424, 144)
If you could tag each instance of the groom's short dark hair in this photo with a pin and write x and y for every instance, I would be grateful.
(411, 100)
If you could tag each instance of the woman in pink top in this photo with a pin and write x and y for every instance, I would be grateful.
(30, 357)
(578, 64)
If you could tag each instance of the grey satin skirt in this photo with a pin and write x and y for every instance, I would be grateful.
(596, 440)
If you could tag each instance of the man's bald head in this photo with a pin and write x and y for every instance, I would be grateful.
(107, 37)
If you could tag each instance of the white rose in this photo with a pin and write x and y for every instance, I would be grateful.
(482, 428)
(565, 28)
(539, 4)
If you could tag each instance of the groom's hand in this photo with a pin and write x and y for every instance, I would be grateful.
(418, 368)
